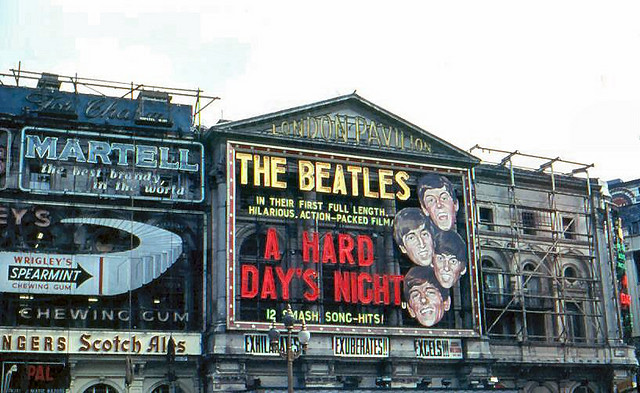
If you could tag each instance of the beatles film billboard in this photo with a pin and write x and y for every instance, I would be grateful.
(89, 267)
(352, 244)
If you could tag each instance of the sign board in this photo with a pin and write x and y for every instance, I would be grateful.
(438, 348)
(85, 108)
(56, 262)
(350, 129)
(34, 377)
(351, 243)
(42, 341)
(260, 344)
(67, 162)
(361, 346)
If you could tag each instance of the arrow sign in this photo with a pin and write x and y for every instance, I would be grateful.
(48, 274)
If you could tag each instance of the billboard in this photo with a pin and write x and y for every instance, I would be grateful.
(353, 244)
(68, 162)
(103, 342)
(84, 266)
(145, 112)
(35, 377)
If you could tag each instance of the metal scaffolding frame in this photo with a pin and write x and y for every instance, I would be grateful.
(113, 88)
(540, 240)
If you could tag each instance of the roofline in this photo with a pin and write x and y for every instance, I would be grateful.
(336, 100)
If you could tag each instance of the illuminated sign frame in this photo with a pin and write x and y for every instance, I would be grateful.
(233, 268)
(438, 348)
(91, 342)
(7, 158)
(361, 347)
(59, 236)
(52, 377)
(148, 166)
(259, 344)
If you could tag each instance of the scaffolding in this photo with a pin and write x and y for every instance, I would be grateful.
(109, 88)
(541, 282)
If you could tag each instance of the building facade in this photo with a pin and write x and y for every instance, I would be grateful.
(626, 224)
(310, 209)
(142, 255)
(102, 231)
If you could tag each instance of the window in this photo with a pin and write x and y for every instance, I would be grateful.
(536, 326)
(532, 285)
(100, 388)
(494, 284)
(570, 274)
(491, 283)
(635, 228)
(575, 328)
(501, 324)
(568, 227)
(528, 223)
(167, 389)
(486, 218)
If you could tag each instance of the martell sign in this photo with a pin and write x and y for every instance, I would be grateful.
(80, 163)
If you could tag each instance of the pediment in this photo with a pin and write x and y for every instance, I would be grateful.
(347, 123)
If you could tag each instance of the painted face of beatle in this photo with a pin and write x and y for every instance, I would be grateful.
(448, 269)
(438, 204)
(418, 245)
(426, 304)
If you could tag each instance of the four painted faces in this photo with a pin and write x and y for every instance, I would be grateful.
(427, 235)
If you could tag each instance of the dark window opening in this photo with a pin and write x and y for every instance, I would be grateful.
(532, 284)
(166, 389)
(500, 324)
(486, 218)
(570, 273)
(528, 223)
(568, 227)
(635, 228)
(575, 328)
(536, 327)
(100, 388)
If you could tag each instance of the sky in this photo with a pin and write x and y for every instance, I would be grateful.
(547, 78)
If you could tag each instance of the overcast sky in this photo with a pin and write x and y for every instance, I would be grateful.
(551, 78)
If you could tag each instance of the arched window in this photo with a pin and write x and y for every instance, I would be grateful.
(540, 389)
(494, 285)
(167, 389)
(250, 247)
(583, 389)
(532, 284)
(100, 388)
(500, 324)
(570, 273)
(491, 279)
